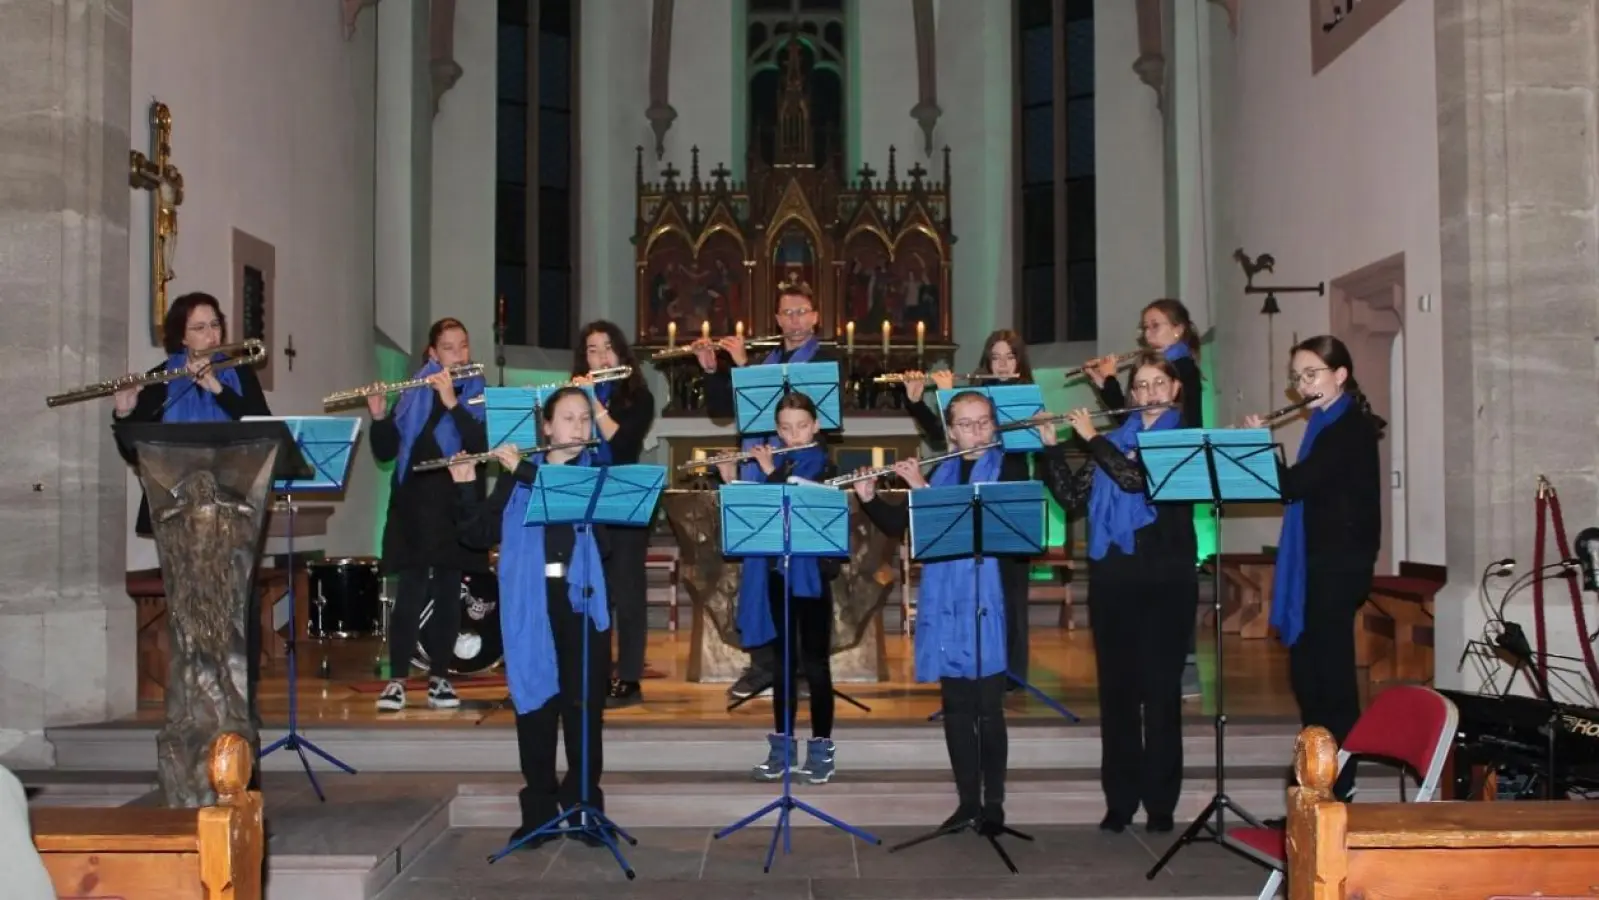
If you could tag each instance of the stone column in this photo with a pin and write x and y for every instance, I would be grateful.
(66, 624)
(1517, 87)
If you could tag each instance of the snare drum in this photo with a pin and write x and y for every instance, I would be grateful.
(480, 645)
(346, 598)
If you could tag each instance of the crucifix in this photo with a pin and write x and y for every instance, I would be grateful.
(156, 173)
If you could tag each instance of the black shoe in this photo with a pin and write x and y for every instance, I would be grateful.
(1115, 823)
(752, 682)
(1159, 824)
(624, 694)
(1280, 822)
(964, 815)
(533, 843)
(994, 813)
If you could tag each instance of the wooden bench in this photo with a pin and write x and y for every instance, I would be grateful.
(665, 558)
(1394, 629)
(213, 853)
(1246, 593)
(1062, 567)
(1441, 851)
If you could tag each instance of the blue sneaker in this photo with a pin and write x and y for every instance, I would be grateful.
(778, 758)
(819, 766)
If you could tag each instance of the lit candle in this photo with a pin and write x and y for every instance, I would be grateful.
(671, 334)
(705, 329)
(849, 338)
(877, 457)
(885, 337)
(921, 337)
(740, 330)
(699, 454)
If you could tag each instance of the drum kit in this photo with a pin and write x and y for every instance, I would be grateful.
(350, 602)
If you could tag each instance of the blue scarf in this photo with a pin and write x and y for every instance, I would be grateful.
(602, 393)
(416, 405)
(946, 646)
(1179, 350)
(802, 354)
(1114, 514)
(188, 402)
(530, 664)
(755, 625)
(1288, 581)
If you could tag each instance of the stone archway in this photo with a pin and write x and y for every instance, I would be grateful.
(1368, 314)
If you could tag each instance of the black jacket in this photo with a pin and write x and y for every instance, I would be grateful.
(249, 401)
(1340, 483)
(719, 401)
(418, 532)
(633, 420)
(1165, 548)
(478, 519)
(1193, 399)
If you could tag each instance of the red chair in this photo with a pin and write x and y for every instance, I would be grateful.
(1406, 724)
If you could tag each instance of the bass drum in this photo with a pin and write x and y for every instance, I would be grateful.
(346, 598)
(480, 646)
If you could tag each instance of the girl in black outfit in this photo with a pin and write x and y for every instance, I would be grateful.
(419, 547)
(1143, 596)
(1004, 355)
(1331, 534)
(552, 602)
(193, 326)
(810, 603)
(623, 412)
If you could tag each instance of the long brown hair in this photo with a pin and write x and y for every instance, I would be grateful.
(1177, 314)
(628, 387)
(1332, 351)
(1024, 368)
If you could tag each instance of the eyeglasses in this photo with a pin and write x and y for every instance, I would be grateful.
(1306, 376)
(973, 424)
(1156, 384)
(212, 325)
(797, 312)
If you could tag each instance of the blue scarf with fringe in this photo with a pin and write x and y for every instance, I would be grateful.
(187, 401)
(530, 665)
(1115, 515)
(755, 625)
(1288, 581)
(946, 644)
(416, 405)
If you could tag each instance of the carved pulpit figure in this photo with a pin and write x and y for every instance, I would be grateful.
(207, 486)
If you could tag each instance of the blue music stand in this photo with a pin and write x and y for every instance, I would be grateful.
(757, 389)
(1215, 466)
(511, 414)
(1013, 404)
(786, 520)
(583, 496)
(957, 521)
(328, 445)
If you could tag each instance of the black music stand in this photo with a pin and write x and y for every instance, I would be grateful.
(583, 496)
(328, 444)
(1215, 466)
(949, 522)
(786, 520)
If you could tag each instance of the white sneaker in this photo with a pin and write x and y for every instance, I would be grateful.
(441, 694)
(393, 697)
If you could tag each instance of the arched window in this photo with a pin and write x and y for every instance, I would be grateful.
(1054, 91)
(821, 32)
(535, 213)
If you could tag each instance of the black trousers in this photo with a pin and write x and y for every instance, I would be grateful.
(810, 643)
(978, 745)
(1142, 622)
(1321, 664)
(1015, 574)
(566, 714)
(627, 581)
(416, 587)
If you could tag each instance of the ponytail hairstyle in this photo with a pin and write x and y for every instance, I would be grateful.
(1332, 351)
(547, 411)
(1177, 314)
(436, 331)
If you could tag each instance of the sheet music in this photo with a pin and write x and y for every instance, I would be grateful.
(1013, 517)
(752, 520)
(328, 445)
(757, 390)
(1012, 520)
(628, 494)
(512, 414)
(1246, 464)
(613, 495)
(1012, 403)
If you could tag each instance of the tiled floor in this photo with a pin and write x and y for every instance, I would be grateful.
(1062, 861)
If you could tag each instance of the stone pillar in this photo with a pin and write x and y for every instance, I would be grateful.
(404, 174)
(66, 624)
(1517, 88)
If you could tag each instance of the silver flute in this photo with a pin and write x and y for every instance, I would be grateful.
(884, 471)
(475, 458)
(709, 461)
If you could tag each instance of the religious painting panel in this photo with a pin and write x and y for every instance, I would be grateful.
(794, 255)
(863, 293)
(666, 295)
(721, 285)
(916, 285)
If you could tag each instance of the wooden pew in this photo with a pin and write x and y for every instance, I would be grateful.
(1394, 630)
(134, 853)
(1441, 851)
(1246, 593)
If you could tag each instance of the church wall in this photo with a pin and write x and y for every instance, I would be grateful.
(703, 83)
(1329, 174)
(887, 86)
(272, 130)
